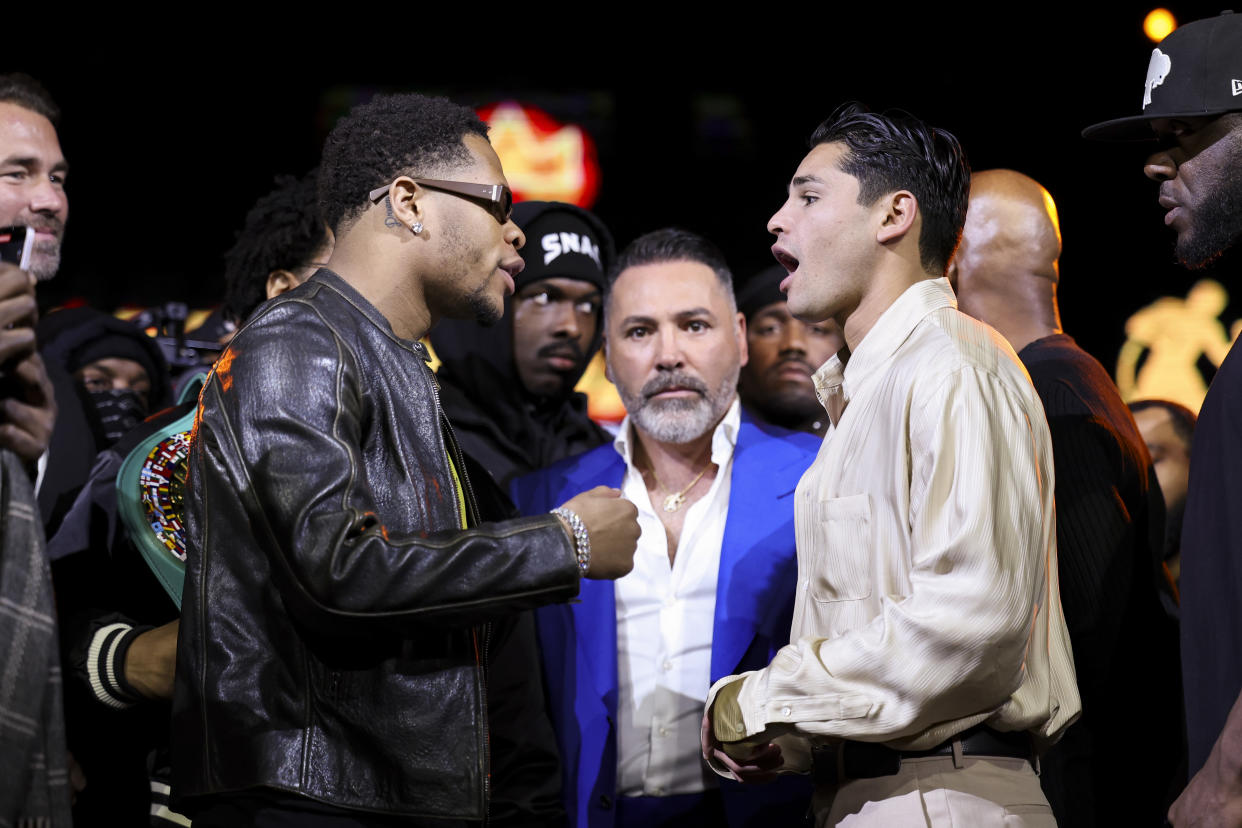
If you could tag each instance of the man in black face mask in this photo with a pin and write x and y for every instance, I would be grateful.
(120, 374)
(118, 377)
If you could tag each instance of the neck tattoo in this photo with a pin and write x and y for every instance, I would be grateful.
(390, 220)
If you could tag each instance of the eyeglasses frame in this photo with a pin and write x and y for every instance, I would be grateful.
(493, 193)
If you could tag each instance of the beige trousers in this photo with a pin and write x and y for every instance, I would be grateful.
(932, 792)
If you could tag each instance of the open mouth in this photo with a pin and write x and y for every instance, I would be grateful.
(785, 260)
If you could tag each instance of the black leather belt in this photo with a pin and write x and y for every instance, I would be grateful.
(833, 764)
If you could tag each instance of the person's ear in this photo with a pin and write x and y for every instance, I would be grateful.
(279, 281)
(408, 206)
(900, 209)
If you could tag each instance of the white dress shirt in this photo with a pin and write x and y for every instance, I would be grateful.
(665, 617)
(928, 598)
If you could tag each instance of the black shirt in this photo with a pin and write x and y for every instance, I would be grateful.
(1211, 582)
(1110, 524)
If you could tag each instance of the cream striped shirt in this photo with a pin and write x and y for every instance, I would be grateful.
(927, 597)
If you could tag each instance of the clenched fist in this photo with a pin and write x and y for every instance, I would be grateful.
(612, 523)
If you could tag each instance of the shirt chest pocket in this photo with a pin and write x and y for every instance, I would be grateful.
(844, 553)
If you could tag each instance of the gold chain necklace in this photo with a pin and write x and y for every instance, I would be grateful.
(678, 499)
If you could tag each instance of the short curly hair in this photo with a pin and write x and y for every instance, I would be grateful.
(283, 230)
(389, 136)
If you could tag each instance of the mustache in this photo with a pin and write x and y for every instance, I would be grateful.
(675, 380)
(46, 223)
(568, 350)
(793, 360)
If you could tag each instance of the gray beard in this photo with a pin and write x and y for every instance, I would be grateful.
(45, 259)
(680, 421)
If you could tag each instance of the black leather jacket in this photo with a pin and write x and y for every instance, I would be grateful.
(334, 631)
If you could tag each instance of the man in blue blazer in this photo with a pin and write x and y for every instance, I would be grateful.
(713, 586)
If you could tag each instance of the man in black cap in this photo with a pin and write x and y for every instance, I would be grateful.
(509, 389)
(1192, 102)
(775, 384)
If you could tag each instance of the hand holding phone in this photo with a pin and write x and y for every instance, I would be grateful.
(18, 313)
(27, 402)
(16, 243)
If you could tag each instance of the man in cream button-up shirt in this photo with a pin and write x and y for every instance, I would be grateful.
(927, 618)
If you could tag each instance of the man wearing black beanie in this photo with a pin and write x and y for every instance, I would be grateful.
(509, 389)
(119, 376)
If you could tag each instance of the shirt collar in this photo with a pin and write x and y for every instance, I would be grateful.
(724, 438)
(885, 337)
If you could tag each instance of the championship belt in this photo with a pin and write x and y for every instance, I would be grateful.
(150, 489)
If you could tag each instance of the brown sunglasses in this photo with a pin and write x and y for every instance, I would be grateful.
(497, 199)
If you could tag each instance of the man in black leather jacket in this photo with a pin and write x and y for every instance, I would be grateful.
(339, 597)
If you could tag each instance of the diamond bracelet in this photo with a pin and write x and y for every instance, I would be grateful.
(582, 541)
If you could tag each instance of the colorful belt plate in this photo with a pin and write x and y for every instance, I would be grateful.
(150, 496)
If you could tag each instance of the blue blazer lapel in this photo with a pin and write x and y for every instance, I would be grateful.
(758, 560)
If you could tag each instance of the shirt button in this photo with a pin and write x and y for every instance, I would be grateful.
(666, 666)
(785, 711)
(663, 731)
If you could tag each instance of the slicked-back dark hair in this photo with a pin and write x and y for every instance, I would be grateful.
(672, 244)
(391, 135)
(1183, 419)
(896, 151)
(23, 90)
(283, 230)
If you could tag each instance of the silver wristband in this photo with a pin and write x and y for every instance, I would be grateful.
(582, 541)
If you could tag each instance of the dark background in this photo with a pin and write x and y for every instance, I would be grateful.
(699, 121)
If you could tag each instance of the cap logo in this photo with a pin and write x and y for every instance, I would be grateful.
(557, 244)
(1157, 70)
(1237, 87)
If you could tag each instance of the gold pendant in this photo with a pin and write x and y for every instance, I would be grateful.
(673, 502)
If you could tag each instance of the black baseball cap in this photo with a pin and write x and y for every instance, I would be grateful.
(1195, 71)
